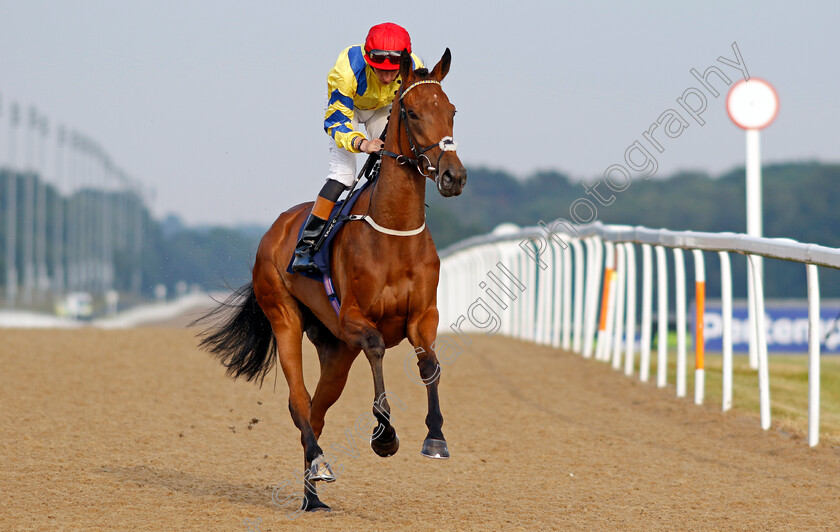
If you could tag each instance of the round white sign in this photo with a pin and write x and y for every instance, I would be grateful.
(752, 104)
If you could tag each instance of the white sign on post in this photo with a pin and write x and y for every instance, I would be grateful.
(753, 105)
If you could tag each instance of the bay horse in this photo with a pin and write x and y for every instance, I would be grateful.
(385, 273)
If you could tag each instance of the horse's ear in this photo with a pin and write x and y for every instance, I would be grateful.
(442, 68)
(405, 65)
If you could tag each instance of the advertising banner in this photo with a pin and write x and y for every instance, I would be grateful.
(786, 326)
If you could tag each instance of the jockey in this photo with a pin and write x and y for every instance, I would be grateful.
(360, 89)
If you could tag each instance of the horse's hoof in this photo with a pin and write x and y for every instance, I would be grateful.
(319, 469)
(385, 449)
(315, 506)
(435, 449)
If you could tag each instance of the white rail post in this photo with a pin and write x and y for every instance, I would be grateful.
(463, 286)
(512, 263)
(444, 293)
(458, 287)
(534, 283)
(699, 343)
(761, 344)
(647, 311)
(551, 293)
(474, 272)
(502, 249)
(498, 256)
(662, 317)
(813, 356)
(490, 257)
(443, 296)
(726, 341)
(580, 276)
(453, 291)
(679, 279)
(567, 293)
(555, 302)
(543, 294)
(514, 255)
(594, 257)
(751, 273)
(598, 274)
(587, 347)
(607, 297)
(533, 279)
(520, 306)
(617, 306)
(630, 327)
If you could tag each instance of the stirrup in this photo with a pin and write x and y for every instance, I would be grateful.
(303, 262)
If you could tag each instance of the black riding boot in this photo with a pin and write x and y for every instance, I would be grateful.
(306, 245)
(315, 225)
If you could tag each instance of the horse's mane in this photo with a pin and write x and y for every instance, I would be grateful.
(422, 72)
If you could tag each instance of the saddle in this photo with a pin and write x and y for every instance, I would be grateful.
(340, 213)
(338, 217)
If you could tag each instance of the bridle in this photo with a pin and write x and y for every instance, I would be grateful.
(446, 143)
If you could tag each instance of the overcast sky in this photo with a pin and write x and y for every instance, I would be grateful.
(218, 106)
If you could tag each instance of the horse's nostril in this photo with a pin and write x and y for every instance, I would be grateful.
(446, 179)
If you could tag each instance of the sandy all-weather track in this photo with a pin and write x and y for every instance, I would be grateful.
(138, 429)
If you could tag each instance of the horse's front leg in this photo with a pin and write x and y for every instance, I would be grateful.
(361, 333)
(422, 334)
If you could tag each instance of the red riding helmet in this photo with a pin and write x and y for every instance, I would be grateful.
(383, 45)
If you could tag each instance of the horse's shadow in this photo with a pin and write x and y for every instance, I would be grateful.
(197, 486)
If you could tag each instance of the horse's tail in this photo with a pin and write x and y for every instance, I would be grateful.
(241, 337)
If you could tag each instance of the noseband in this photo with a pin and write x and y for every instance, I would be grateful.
(445, 144)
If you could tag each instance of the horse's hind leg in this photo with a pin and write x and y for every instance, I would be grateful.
(361, 332)
(287, 324)
(336, 358)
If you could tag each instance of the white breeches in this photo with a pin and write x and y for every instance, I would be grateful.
(343, 162)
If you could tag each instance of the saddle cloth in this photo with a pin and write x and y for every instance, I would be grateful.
(322, 256)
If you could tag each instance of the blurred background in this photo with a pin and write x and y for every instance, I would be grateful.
(145, 147)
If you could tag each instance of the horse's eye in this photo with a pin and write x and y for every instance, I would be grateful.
(412, 114)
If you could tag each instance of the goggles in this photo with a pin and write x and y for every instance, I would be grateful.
(380, 56)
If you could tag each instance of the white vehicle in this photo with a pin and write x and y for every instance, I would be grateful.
(77, 305)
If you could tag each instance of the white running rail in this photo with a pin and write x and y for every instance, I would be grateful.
(575, 287)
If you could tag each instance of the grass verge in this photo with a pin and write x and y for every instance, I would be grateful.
(788, 390)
